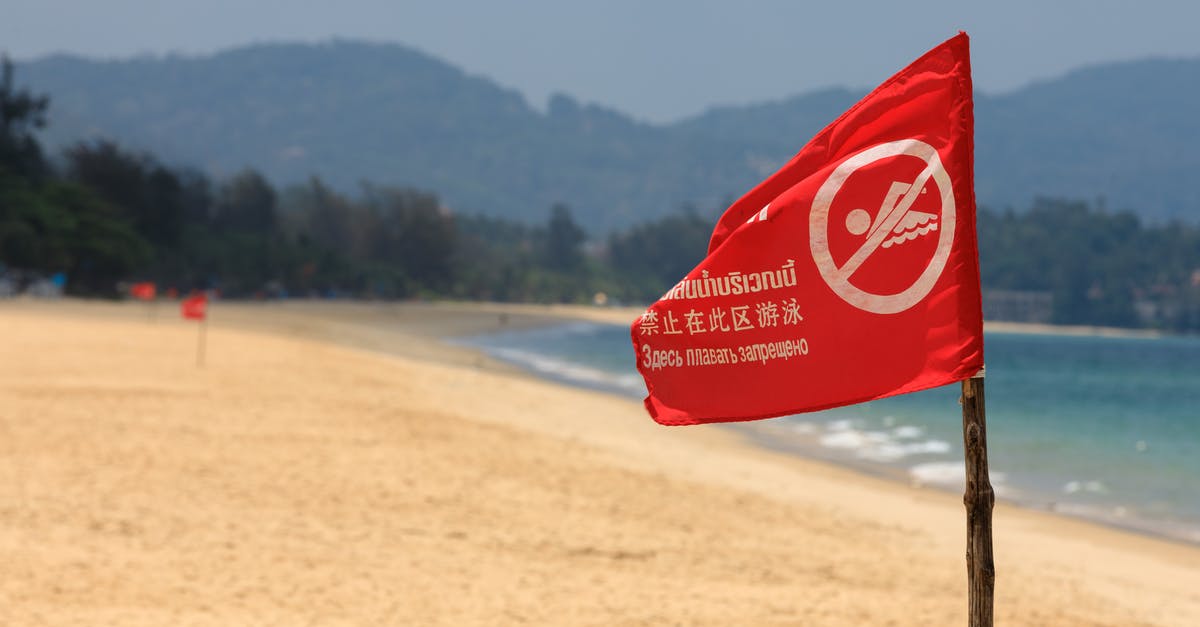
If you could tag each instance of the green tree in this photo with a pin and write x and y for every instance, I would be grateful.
(1094, 263)
(563, 247)
(493, 258)
(21, 115)
(58, 226)
(103, 248)
(247, 203)
(33, 229)
(412, 235)
(316, 214)
(652, 257)
(147, 193)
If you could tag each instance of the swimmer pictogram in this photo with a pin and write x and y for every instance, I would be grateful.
(895, 224)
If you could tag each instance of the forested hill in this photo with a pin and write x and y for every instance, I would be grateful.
(352, 111)
(1125, 134)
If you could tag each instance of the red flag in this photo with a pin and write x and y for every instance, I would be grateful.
(194, 307)
(850, 274)
(143, 291)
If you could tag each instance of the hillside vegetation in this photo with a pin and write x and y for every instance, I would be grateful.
(1121, 135)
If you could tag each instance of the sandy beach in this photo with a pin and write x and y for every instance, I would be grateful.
(338, 464)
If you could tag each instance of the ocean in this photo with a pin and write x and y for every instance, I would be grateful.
(1102, 428)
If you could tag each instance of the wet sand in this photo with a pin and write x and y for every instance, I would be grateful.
(337, 464)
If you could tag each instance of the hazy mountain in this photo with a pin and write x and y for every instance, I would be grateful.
(385, 113)
(352, 111)
(1127, 133)
(1124, 134)
(780, 127)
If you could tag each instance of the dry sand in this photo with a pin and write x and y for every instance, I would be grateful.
(299, 480)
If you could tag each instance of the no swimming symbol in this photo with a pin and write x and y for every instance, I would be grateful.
(896, 223)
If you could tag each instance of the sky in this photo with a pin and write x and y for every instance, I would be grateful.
(656, 60)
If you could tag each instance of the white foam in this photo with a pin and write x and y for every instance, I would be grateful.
(953, 475)
(908, 432)
(892, 451)
(840, 425)
(939, 473)
(880, 446)
(1093, 487)
(571, 371)
(804, 428)
(849, 439)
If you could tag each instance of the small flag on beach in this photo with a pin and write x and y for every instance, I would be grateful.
(849, 275)
(145, 290)
(194, 307)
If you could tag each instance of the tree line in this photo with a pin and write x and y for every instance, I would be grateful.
(1100, 267)
(102, 215)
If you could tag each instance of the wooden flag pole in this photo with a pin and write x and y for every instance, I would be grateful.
(979, 499)
(200, 342)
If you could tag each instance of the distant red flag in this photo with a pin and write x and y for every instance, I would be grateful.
(143, 291)
(849, 275)
(194, 307)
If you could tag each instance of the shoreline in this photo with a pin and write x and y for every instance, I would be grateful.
(529, 316)
(440, 332)
(376, 453)
(760, 436)
(1187, 536)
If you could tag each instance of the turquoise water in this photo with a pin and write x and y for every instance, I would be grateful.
(1097, 427)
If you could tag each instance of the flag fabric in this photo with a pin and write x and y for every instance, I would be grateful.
(850, 274)
(145, 290)
(194, 307)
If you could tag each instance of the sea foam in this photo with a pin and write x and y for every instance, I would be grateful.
(880, 446)
(553, 367)
(953, 475)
